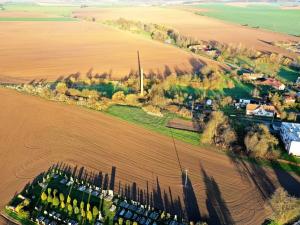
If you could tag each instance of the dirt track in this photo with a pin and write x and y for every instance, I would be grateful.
(35, 134)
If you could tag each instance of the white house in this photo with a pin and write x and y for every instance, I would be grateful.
(290, 135)
(261, 110)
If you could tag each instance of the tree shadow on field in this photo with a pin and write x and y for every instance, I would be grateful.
(252, 172)
(219, 213)
(196, 64)
(59, 79)
(190, 201)
(112, 178)
(167, 71)
(179, 72)
(287, 181)
(148, 193)
(266, 42)
(156, 197)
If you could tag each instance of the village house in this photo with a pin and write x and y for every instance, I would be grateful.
(262, 110)
(252, 76)
(209, 50)
(213, 52)
(199, 47)
(272, 82)
(242, 103)
(290, 135)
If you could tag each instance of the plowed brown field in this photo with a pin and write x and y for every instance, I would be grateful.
(187, 22)
(35, 134)
(33, 50)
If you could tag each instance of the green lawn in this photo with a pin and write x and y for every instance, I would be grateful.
(240, 90)
(106, 89)
(16, 217)
(288, 74)
(269, 17)
(138, 116)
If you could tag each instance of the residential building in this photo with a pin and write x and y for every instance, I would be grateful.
(201, 47)
(262, 110)
(241, 103)
(252, 76)
(272, 82)
(290, 135)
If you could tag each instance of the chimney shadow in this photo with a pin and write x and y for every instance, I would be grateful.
(286, 180)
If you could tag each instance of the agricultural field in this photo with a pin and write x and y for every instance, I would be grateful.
(49, 49)
(41, 137)
(191, 23)
(82, 45)
(269, 16)
(73, 94)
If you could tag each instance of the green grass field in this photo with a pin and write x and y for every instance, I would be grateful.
(158, 124)
(34, 8)
(240, 90)
(270, 17)
(288, 74)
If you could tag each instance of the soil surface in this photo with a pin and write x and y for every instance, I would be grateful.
(35, 134)
(185, 20)
(48, 50)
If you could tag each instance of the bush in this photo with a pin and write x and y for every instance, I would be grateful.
(90, 94)
(73, 92)
(153, 111)
(260, 143)
(291, 116)
(184, 112)
(159, 101)
(44, 197)
(172, 108)
(285, 208)
(61, 88)
(132, 100)
(118, 97)
(55, 201)
(218, 131)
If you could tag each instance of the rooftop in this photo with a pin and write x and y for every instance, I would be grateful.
(272, 82)
(252, 107)
(293, 130)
